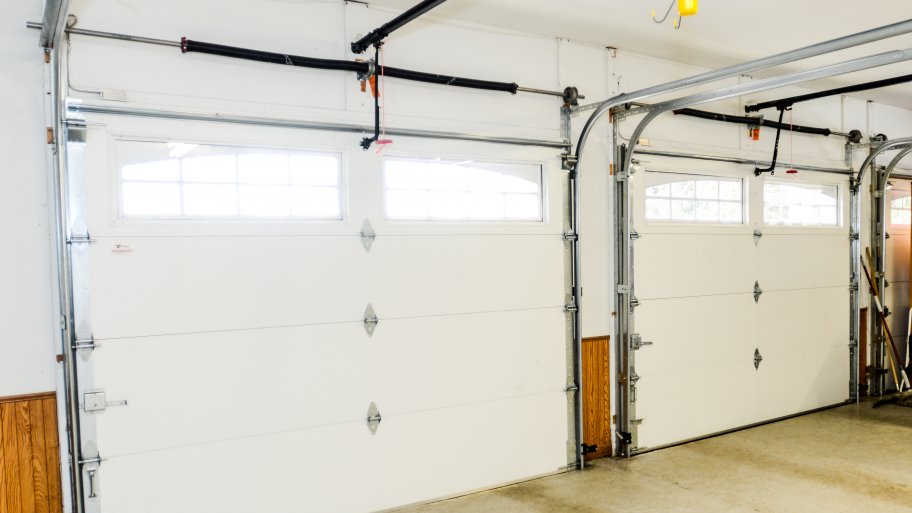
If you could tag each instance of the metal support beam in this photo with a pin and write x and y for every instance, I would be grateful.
(53, 22)
(376, 36)
(83, 108)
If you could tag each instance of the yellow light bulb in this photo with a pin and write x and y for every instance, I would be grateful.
(688, 7)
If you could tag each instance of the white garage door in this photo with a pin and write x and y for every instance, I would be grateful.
(226, 290)
(697, 266)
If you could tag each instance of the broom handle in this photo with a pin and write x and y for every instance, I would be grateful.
(893, 352)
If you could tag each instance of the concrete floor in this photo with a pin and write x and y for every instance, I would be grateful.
(853, 458)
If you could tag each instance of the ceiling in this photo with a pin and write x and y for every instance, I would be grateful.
(724, 32)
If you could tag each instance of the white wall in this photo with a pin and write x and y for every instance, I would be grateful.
(26, 297)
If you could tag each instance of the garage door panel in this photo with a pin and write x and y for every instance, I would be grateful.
(897, 256)
(451, 360)
(797, 320)
(166, 285)
(230, 384)
(699, 332)
(799, 261)
(470, 273)
(411, 458)
(803, 380)
(690, 403)
(684, 265)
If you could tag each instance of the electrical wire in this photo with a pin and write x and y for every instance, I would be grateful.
(670, 6)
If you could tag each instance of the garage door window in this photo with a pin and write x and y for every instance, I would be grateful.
(438, 190)
(901, 211)
(682, 198)
(800, 204)
(176, 180)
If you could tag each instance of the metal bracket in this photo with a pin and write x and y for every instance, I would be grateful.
(568, 161)
(853, 286)
(569, 235)
(370, 320)
(80, 238)
(367, 235)
(853, 235)
(757, 236)
(623, 289)
(757, 359)
(571, 306)
(91, 465)
(620, 177)
(373, 418)
(625, 437)
(632, 380)
(94, 401)
(757, 292)
(85, 343)
(634, 302)
(637, 422)
(634, 235)
(637, 342)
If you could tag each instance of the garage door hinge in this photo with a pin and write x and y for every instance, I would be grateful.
(634, 235)
(373, 418)
(571, 387)
(853, 235)
(637, 342)
(620, 177)
(636, 422)
(570, 236)
(571, 307)
(757, 359)
(757, 236)
(634, 378)
(84, 344)
(853, 286)
(367, 235)
(80, 238)
(757, 292)
(94, 401)
(370, 320)
(634, 302)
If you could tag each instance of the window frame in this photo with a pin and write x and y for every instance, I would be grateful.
(696, 176)
(216, 220)
(840, 207)
(543, 194)
(907, 194)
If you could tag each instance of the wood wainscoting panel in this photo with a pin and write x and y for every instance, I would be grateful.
(597, 396)
(29, 455)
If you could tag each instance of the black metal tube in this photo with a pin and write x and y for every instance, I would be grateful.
(772, 167)
(746, 120)
(377, 35)
(364, 68)
(785, 103)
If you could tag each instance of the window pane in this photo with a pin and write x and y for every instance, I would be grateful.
(157, 171)
(404, 174)
(406, 204)
(683, 189)
(226, 182)
(265, 201)
(210, 200)
(525, 207)
(151, 199)
(465, 190)
(263, 169)
(316, 202)
(663, 190)
(683, 210)
(708, 189)
(714, 199)
(798, 204)
(211, 168)
(447, 178)
(707, 211)
(730, 190)
(658, 209)
(314, 170)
